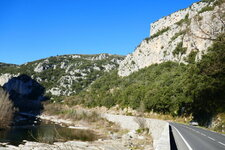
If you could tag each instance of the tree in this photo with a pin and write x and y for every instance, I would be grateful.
(179, 51)
(6, 109)
(205, 83)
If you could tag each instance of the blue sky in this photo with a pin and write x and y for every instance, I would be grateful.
(35, 29)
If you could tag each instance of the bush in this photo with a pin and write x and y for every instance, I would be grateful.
(185, 20)
(191, 57)
(179, 50)
(176, 35)
(6, 109)
(207, 8)
(160, 32)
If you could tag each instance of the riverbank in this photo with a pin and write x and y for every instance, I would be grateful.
(112, 135)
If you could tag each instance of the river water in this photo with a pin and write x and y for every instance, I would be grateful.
(44, 131)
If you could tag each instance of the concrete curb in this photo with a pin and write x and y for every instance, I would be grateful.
(158, 129)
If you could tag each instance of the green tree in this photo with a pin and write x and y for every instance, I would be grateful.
(206, 82)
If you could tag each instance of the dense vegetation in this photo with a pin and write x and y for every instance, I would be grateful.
(154, 86)
(168, 88)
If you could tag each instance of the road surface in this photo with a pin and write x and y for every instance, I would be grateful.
(194, 138)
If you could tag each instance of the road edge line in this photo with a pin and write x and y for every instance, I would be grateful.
(221, 143)
(189, 147)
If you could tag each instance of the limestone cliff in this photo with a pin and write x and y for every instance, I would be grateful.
(185, 33)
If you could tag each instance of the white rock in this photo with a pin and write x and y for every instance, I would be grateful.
(160, 49)
(4, 78)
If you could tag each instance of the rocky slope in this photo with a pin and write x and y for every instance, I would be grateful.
(179, 36)
(63, 75)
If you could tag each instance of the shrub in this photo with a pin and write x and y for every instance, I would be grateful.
(207, 8)
(191, 57)
(218, 2)
(6, 109)
(179, 50)
(176, 35)
(160, 32)
(185, 20)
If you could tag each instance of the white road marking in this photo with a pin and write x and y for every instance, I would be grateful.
(211, 131)
(222, 143)
(203, 134)
(189, 147)
(211, 138)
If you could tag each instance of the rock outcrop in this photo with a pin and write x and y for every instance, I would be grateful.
(175, 37)
(25, 93)
(24, 85)
(4, 78)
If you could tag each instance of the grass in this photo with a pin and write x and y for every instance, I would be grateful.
(71, 113)
(83, 116)
(62, 135)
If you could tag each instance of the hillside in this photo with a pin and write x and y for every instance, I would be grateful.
(195, 89)
(183, 34)
(6, 65)
(178, 70)
(63, 75)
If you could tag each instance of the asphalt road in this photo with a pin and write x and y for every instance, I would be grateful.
(194, 138)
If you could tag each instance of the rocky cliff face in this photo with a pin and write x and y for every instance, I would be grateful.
(25, 93)
(179, 36)
(63, 75)
(25, 86)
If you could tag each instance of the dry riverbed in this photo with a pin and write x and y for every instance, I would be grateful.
(109, 135)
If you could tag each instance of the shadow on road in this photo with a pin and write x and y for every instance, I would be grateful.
(173, 145)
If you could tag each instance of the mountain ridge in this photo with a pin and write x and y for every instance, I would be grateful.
(65, 74)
